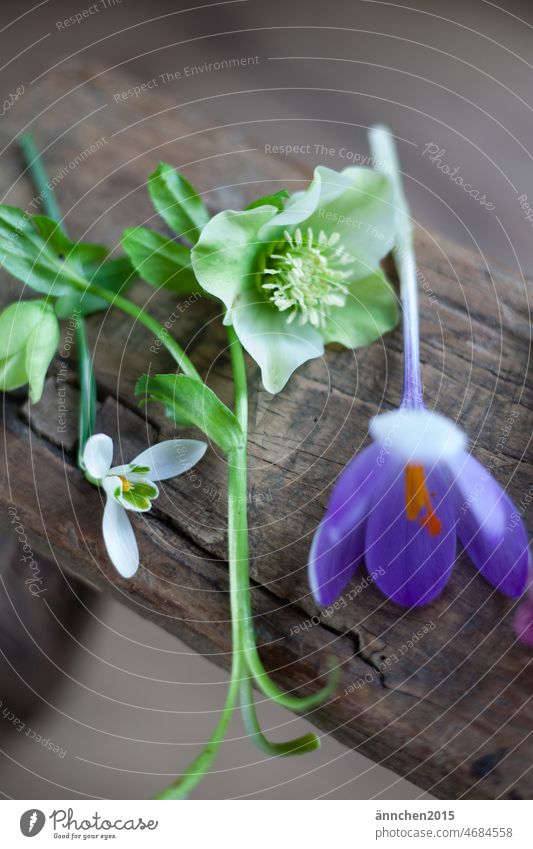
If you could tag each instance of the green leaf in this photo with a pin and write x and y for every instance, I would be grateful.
(177, 202)
(115, 276)
(190, 402)
(160, 261)
(277, 200)
(29, 336)
(85, 253)
(48, 263)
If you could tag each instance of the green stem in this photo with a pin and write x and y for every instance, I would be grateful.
(87, 409)
(144, 318)
(238, 503)
(34, 164)
(299, 746)
(195, 772)
(237, 554)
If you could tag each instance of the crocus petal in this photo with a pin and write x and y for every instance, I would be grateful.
(119, 537)
(371, 309)
(351, 496)
(338, 544)
(98, 455)
(333, 560)
(489, 527)
(225, 256)
(408, 564)
(170, 458)
(278, 348)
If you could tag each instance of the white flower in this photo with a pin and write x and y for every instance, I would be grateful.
(132, 487)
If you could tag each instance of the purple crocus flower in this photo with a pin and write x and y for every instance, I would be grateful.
(404, 500)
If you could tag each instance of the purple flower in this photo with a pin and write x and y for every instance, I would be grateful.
(403, 502)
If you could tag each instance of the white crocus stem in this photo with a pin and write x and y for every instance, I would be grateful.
(386, 161)
(131, 487)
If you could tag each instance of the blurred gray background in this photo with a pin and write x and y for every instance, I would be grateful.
(130, 705)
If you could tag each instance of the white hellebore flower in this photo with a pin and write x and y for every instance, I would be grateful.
(132, 487)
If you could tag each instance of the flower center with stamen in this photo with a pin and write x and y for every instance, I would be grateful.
(418, 506)
(126, 484)
(306, 275)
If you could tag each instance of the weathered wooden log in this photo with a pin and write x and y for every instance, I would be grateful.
(441, 694)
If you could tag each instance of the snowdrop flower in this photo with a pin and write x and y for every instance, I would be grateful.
(403, 501)
(131, 487)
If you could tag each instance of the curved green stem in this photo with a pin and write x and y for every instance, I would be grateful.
(195, 772)
(144, 318)
(237, 553)
(238, 494)
(299, 746)
(87, 410)
(34, 164)
(270, 689)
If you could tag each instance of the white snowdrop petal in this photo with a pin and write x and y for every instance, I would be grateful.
(119, 539)
(98, 455)
(170, 458)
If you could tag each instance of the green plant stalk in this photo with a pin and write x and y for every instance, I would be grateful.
(237, 549)
(237, 558)
(237, 554)
(87, 408)
(192, 776)
(136, 312)
(299, 746)
(238, 494)
(240, 680)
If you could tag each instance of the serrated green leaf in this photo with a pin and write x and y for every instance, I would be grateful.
(191, 402)
(29, 336)
(160, 261)
(277, 200)
(177, 202)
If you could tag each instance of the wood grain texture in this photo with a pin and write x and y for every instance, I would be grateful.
(442, 695)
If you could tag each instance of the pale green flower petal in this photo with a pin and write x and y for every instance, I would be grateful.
(225, 257)
(277, 347)
(371, 309)
(355, 203)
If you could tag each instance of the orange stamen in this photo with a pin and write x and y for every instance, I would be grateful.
(126, 484)
(417, 499)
